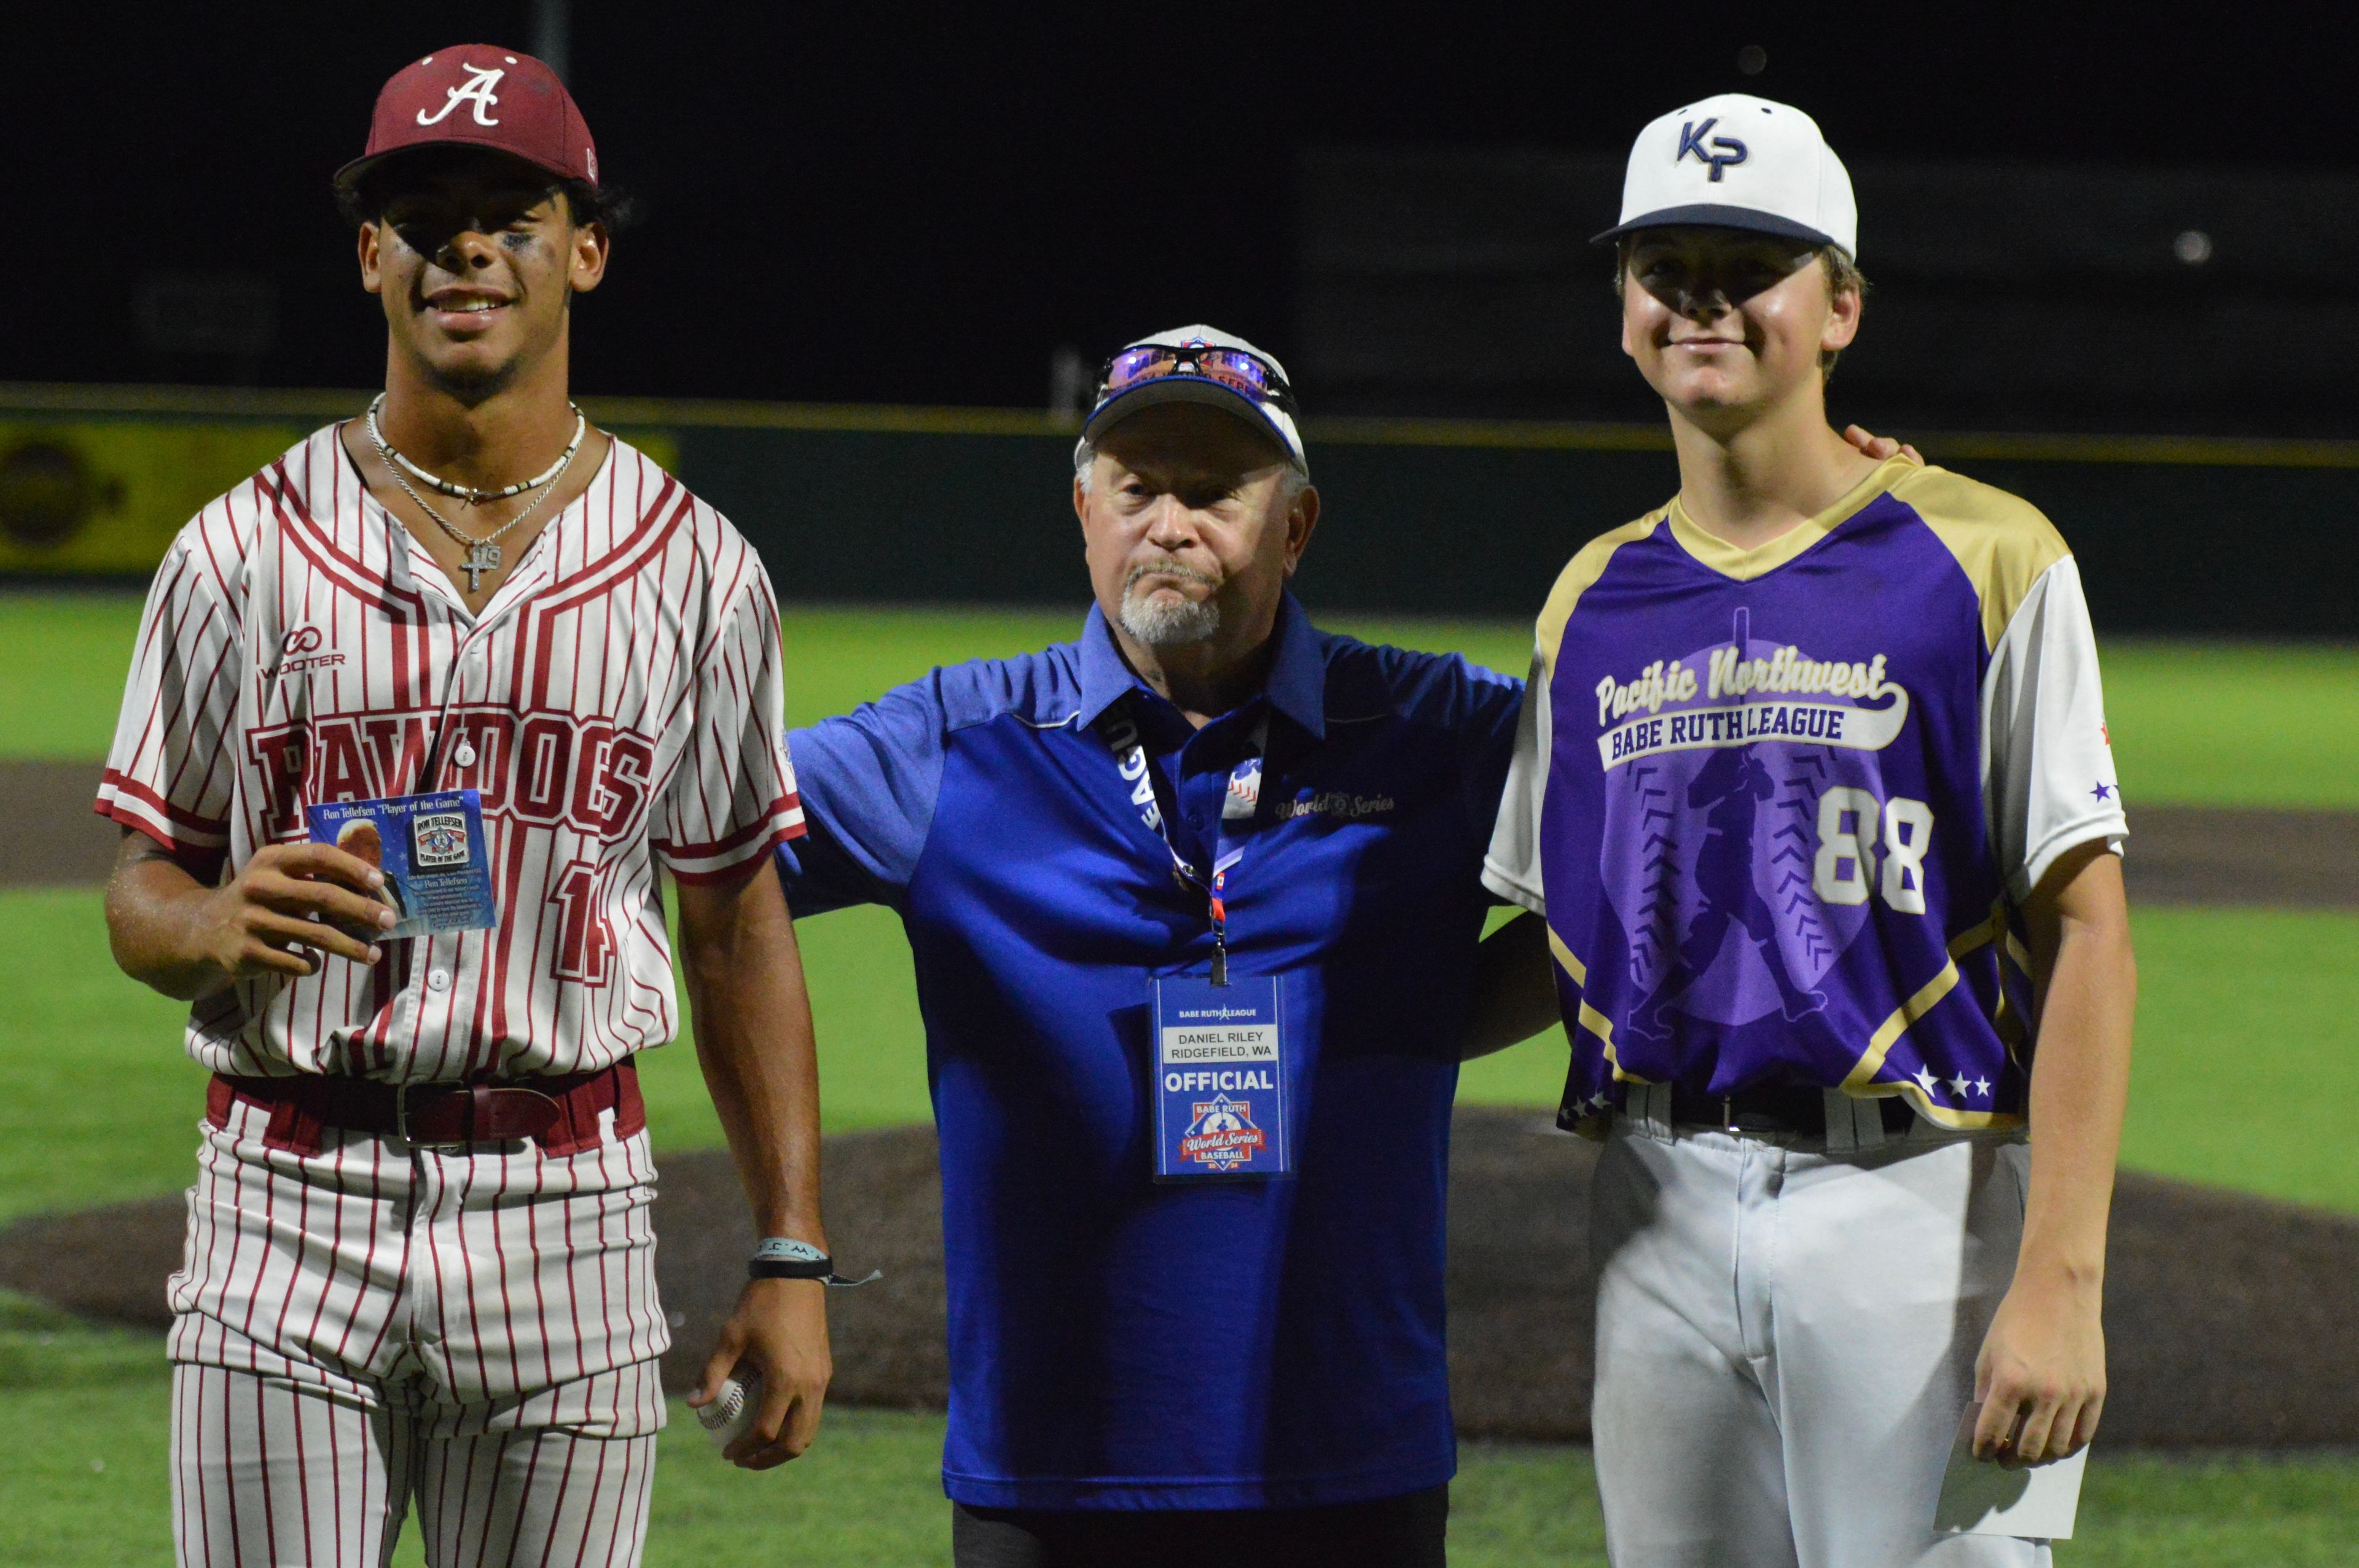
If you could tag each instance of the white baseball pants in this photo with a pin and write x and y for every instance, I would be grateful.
(1786, 1344)
(270, 1471)
(374, 1323)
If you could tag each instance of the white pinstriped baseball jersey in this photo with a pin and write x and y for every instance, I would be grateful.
(619, 695)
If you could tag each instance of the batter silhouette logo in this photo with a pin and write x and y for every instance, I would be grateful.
(1721, 764)
(1222, 1136)
(477, 93)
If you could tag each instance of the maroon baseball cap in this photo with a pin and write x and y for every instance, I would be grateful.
(479, 95)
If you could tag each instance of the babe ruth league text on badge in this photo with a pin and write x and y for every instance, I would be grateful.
(430, 850)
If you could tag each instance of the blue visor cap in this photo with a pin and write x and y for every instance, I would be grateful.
(1706, 215)
(1199, 364)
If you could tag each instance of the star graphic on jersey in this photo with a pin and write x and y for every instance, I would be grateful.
(1982, 1088)
(1598, 1101)
(1958, 1086)
(1926, 1081)
(2105, 791)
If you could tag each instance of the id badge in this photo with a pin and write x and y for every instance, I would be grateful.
(431, 849)
(1220, 1079)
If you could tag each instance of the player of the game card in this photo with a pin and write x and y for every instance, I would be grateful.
(430, 848)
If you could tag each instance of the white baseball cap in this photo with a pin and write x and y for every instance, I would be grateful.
(1739, 162)
(1199, 365)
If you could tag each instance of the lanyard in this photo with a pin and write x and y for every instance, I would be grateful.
(1238, 803)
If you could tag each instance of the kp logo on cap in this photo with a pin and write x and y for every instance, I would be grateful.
(483, 79)
(1692, 140)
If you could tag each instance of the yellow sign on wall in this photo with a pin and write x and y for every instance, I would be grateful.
(106, 497)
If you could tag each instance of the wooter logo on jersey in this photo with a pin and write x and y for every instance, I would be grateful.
(304, 648)
(543, 769)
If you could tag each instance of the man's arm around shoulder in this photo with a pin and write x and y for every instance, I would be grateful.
(753, 1025)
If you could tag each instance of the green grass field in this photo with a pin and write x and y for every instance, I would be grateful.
(2193, 723)
(84, 1412)
(2247, 1018)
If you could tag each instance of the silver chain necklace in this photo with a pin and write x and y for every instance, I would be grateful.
(482, 555)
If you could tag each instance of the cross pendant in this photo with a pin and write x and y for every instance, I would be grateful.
(480, 559)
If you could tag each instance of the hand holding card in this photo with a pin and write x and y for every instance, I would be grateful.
(1978, 1498)
(429, 849)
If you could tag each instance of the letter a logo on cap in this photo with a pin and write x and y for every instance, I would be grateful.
(481, 79)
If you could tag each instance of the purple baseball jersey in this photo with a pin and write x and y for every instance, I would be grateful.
(1780, 806)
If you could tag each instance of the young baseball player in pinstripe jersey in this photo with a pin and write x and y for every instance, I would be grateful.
(1815, 804)
(421, 1265)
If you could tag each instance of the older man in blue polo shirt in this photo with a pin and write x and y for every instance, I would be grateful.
(1195, 902)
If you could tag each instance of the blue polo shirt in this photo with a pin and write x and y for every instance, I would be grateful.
(1114, 1342)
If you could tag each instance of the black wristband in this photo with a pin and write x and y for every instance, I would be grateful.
(820, 1268)
(784, 1258)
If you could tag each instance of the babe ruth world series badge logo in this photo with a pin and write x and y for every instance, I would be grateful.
(1222, 1136)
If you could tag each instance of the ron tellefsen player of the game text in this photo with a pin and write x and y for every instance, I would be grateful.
(420, 1258)
(1815, 811)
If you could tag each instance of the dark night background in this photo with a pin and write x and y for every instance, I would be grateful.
(920, 204)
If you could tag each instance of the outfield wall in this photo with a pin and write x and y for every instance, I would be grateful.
(1439, 517)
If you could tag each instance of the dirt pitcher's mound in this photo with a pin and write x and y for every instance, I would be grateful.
(2231, 1320)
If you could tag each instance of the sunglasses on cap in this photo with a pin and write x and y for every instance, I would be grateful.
(1248, 374)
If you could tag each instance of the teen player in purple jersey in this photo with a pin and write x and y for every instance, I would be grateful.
(1814, 799)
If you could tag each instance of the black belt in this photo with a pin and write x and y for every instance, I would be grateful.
(1775, 1109)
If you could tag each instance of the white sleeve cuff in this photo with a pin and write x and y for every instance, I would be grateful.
(2043, 860)
(1508, 886)
(1512, 867)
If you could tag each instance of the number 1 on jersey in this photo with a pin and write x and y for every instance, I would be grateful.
(583, 940)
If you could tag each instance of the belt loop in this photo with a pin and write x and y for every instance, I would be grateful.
(1649, 1105)
(1843, 1135)
(1854, 1123)
(1867, 1121)
(630, 1106)
(297, 1124)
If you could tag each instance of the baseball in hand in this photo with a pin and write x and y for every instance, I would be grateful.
(731, 1414)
